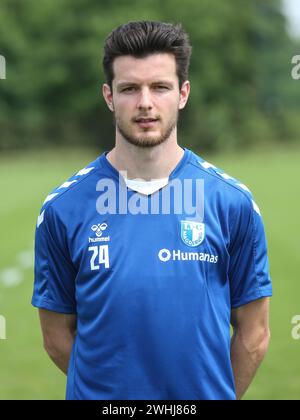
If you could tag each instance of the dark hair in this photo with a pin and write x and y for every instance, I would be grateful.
(142, 38)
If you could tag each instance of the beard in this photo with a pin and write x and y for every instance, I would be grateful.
(146, 141)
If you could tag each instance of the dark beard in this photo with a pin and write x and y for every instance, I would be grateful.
(146, 143)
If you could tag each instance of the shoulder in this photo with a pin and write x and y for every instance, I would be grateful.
(222, 185)
(69, 192)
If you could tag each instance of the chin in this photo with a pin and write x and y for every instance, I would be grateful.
(147, 142)
(142, 138)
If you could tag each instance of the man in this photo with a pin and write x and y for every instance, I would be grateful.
(136, 287)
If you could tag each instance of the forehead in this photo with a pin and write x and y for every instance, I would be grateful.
(140, 70)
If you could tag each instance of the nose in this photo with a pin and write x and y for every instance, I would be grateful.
(145, 101)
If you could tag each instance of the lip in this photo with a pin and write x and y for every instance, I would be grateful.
(146, 124)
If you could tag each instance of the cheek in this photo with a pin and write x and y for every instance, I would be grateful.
(124, 108)
(169, 103)
(169, 108)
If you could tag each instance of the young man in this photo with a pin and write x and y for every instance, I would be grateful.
(136, 286)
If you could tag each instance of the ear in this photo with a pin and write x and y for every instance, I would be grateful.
(108, 96)
(184, 94)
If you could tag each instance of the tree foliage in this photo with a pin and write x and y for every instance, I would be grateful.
(242, 91)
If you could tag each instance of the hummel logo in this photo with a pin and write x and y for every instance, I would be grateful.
(98, 229)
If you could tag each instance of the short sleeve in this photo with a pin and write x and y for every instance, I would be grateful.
(54, 273)
(249, 267)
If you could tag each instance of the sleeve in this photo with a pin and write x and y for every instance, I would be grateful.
(54, 273)
(249, 267)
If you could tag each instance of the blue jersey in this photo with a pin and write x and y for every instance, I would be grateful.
(151, 278)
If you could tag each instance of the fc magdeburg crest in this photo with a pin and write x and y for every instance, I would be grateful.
(192, 233)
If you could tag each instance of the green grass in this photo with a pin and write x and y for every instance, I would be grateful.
(274, 178)
(25, 370)
(25, 180)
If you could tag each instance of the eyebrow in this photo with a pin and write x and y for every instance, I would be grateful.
(159, 82)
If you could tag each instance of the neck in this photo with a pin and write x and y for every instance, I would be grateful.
(146, 163)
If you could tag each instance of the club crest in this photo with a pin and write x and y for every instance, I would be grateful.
(192, 233)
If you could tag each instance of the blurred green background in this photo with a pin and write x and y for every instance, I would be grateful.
(243, 116)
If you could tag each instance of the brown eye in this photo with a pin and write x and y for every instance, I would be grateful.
(129, 89)
(161, 87)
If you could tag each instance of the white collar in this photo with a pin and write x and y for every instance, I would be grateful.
(146, 187)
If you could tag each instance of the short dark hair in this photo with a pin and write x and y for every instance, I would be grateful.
(142, 38)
